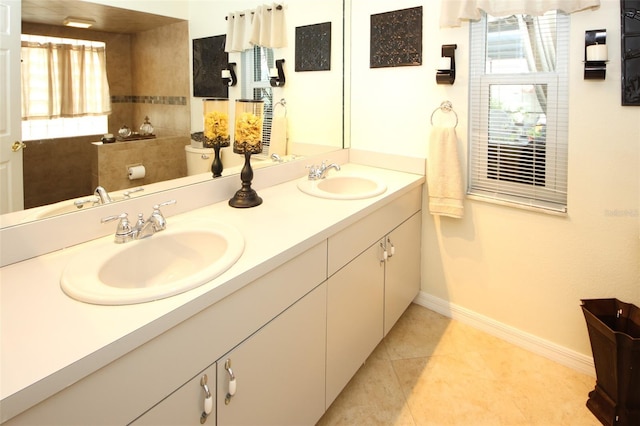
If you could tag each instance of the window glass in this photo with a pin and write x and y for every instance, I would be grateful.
(518, 111)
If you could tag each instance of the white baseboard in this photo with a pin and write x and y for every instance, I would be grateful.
(560, 354)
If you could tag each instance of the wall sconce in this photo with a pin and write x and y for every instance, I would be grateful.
(595, 54)
(446, 72)
(276, 75)
(229, 75)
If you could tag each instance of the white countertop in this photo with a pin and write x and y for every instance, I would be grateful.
(49, 341)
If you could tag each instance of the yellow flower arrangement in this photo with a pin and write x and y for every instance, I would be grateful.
(248, 129)
(216, 126)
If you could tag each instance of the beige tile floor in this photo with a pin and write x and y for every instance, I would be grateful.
(431, 370)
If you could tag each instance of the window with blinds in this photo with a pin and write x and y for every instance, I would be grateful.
(255, 85)
(518, 110)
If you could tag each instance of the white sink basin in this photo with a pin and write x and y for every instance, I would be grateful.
(63, 207)
(170, 262)
(343, 187)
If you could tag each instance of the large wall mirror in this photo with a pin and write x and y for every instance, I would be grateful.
(149, 66)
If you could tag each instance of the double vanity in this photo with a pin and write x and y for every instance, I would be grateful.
(255, 316)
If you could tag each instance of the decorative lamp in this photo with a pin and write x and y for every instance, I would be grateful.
(216, 129)
(229, 75)
(247, 141)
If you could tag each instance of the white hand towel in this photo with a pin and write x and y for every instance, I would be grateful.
(444, 177)
(278, 141)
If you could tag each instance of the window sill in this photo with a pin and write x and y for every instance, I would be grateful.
(515, 202)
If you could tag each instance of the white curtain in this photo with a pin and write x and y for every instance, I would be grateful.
(264, 26)
(238, 31)
(453, 12)
(63, 80)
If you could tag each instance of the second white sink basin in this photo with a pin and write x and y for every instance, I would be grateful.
(343, 187)
(170, 262)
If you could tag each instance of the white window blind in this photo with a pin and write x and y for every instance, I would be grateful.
(518, 110)
(255, 85)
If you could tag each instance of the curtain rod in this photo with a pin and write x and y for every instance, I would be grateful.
(278, 7)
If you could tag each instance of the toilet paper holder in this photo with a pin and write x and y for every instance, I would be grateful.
(136, 171)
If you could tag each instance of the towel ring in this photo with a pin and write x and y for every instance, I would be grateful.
(282, 102)
(446, 107)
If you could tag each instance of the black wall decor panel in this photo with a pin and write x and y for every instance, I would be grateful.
(396, 38)
(630, 31)
(209, 59)
(313, 47)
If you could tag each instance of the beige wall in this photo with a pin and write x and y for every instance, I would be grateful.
(160, 79)
(522, 269)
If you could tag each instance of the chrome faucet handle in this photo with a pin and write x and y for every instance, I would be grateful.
(80, 203)
(314, 171)
(124, 232)
(160, 223)
(128, 193)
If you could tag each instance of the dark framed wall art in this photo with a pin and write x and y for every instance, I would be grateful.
(630, 32)
(396, 38)
(209, 59)
(313, 47)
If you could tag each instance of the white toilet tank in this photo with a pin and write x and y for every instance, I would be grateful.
(198, 160)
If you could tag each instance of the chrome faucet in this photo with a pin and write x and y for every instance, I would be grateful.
(125, 232)
(155, 223)
(320, 172)
(103, 195)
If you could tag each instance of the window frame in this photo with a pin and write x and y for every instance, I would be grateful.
(552, 197)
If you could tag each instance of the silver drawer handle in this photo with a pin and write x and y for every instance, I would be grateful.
(232, 382)
(208, 400)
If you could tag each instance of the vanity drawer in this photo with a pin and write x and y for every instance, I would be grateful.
(350, 242)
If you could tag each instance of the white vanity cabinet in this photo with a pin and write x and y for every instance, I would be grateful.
(186, 405)
(279, 372)
(368, 291)
(294, 335)
(144, 380)
(279, 367)
(402, 269)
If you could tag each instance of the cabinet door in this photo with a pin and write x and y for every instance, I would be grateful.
(185, 406)
(354, 317)
(402, 272)
(279, 371)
